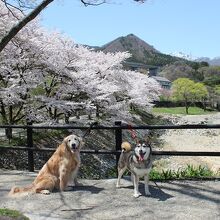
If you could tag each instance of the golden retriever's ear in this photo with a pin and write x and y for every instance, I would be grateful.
(65, 143)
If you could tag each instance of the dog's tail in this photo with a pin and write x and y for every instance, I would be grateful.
(125, 147)
(21, 191)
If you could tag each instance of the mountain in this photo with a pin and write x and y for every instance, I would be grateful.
(130, 42)
(141, 51)
(213, 62)
(183, 55)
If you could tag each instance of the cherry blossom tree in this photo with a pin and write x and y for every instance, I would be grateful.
(109, 86)
(47, 76)
(21, 62)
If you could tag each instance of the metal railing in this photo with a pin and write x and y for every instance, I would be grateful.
(117, 128)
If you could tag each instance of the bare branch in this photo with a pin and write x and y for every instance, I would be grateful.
(87, 3)
(19, 4)
(14, 30)
(9, 6)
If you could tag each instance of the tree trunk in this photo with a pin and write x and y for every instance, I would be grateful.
(66, 118)
(50, 112)
(90, 115)
(218, 105)
(7, 121)
(8, 133)
(77, 115)
(97, 111)
(187, 107)
(204, 105)
(15, 29)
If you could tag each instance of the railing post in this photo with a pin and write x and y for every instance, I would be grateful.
(30, 150)
(118, 139)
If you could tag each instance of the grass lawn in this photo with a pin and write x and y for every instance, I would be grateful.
(12, 214)
(181, 110)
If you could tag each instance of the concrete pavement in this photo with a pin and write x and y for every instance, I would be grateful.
(99, 199)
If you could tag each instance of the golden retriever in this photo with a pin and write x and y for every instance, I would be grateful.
(59, 169)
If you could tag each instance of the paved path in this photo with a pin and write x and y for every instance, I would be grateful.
(99, 199)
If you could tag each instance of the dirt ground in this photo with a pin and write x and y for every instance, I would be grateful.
(192, 140)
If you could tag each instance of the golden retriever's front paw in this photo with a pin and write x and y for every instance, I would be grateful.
(45, 192)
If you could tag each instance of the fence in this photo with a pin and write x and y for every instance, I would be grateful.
(118, 128)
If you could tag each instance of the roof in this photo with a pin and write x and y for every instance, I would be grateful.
(140, 65)
(160, 78)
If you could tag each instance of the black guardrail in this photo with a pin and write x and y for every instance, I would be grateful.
(118, 128)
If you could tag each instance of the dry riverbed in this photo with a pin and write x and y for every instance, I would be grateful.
(192, 140)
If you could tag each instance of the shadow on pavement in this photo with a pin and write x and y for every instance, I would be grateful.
(156, 192)
(195, 191)
(86, 188)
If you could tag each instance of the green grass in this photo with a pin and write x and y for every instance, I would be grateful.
(181, 110)
(189, 172)
(13, 214)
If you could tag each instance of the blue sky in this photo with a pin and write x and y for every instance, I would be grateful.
(188, 26)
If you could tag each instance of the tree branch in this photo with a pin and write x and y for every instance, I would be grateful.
(14, 30)
(8, 5)
(87, 3)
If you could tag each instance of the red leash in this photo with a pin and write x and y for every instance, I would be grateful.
(133, 133)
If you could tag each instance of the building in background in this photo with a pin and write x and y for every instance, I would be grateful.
(151, 71)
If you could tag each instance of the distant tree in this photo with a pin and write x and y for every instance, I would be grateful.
(177, 70)
(197, 65)
(24, 20)
(200, 93)
(203, 63)
(165, 94)
(210, 75)
(217, 89)
(188, 91)
(215, 96)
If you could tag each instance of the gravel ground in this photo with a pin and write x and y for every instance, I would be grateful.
(99, 199)
(192, 140)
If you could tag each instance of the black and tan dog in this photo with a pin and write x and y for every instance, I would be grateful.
(138, 162)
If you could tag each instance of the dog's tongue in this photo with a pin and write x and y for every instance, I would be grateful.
(141, 157)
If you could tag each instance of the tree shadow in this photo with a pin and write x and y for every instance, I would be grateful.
(78, 207)
(189, 189)
(86, 188)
